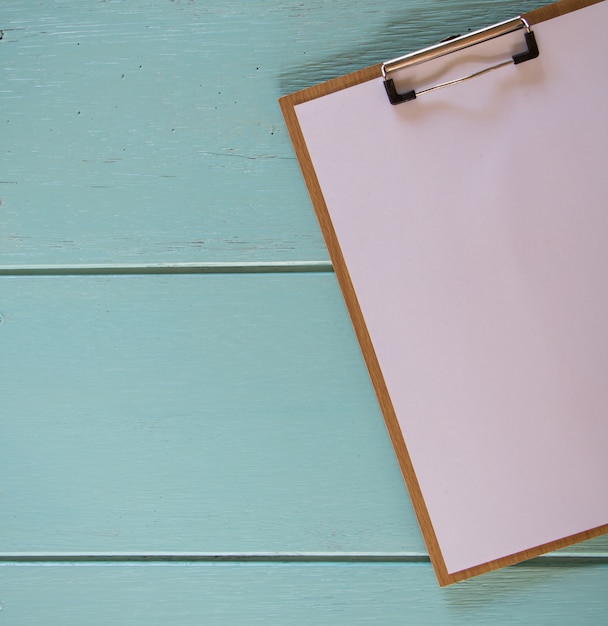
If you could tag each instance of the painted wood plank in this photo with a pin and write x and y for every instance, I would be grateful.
(218, 413)
(349, 595)
(149, 131)
(192, 413)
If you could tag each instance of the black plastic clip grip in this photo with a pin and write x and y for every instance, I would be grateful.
(531, 53)
(452, 45)
(394, 96)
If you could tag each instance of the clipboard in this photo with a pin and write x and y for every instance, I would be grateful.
(461, 194)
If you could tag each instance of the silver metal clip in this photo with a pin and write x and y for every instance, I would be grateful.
(453, 45)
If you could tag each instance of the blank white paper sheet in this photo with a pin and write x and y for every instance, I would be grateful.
(474, 225)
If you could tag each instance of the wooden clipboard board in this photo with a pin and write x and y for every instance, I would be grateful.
(453, 547)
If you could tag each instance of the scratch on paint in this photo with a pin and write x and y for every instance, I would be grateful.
(246, 156)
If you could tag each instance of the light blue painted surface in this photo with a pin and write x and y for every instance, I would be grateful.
(203, 415)
(212, 413)
(149, 130)
(286, 595)
(218, 413)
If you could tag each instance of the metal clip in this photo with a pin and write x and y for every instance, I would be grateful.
(453, 45)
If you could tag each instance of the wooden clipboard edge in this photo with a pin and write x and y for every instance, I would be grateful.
(525, 555)
(288, 104)
(556, 9)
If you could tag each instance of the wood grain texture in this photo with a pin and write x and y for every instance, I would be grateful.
(556, 9)
(223, 413)
(149, 131)
(339, 595)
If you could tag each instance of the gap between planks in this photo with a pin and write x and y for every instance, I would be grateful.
(567, 559)
(93, 269)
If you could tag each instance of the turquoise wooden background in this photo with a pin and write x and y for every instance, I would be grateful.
(188, 431)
